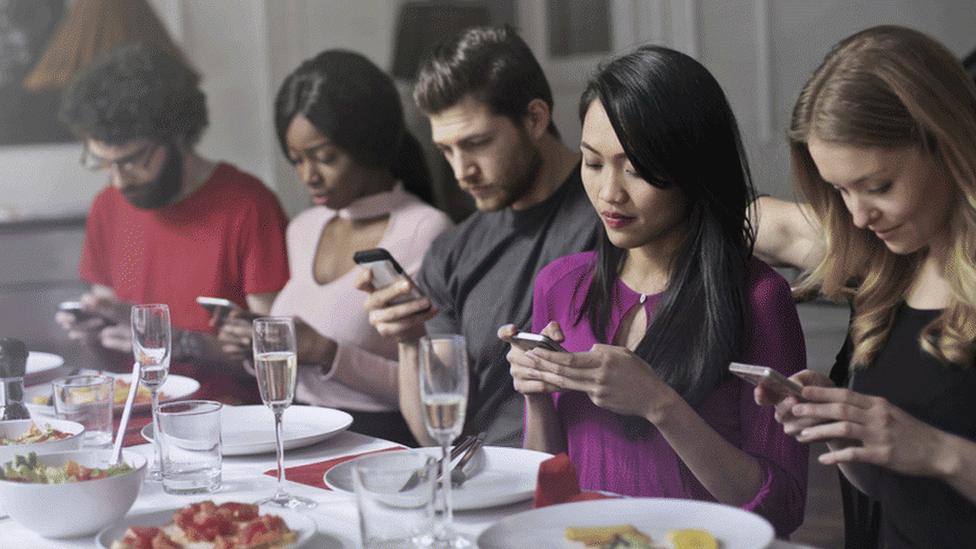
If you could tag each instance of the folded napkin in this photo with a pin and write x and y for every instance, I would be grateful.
(313, 473)
(557, 483)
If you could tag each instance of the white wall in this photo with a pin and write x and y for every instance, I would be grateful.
(760, 50)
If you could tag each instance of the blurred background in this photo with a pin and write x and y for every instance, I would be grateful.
(761, 51)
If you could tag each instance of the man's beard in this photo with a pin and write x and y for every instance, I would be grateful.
(519, 183)
(159, 192)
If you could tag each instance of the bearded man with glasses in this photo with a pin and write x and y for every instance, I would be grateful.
(171, 225)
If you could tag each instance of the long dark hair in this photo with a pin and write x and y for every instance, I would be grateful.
(678, 131)
(355, 104)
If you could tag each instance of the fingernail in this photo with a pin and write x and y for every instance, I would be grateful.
(404, 285)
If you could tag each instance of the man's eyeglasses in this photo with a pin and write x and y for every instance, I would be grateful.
(136, 160)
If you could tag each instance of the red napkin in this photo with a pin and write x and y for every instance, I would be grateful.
(133, 431)
(312, 473)
(557, 483)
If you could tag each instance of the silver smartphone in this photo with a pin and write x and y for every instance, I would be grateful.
(768, 377)
(527, 341)
(223, 307)
(385, 271)
(80, 313)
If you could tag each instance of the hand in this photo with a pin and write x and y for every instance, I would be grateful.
(792, 425)
(85, 331)
(103, 302)
(117, 337)
(403, 321)
(887, 435)
(525, 376)
(234, 338)
(613, 377)
(313, 347)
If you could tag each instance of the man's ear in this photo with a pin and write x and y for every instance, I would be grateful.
(537, 118)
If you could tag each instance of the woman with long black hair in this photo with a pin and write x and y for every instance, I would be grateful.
(643, 402)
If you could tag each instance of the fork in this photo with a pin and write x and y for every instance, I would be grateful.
(458, 476)
(455, 452)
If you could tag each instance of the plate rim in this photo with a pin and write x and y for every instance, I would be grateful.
(45, 409)
(300, 442)
(47, 354)
(505, 524)
(514, 497)
(305, 535)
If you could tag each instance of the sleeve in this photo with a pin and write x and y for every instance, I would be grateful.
(433, 280)
(261, 247)
(93, 266)
(776, 340)
(364, 371)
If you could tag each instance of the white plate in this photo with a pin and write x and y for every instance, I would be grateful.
(545, 527)
(175, 388)
(503, 476)
(301, 524)
(41, 367)
(246, 430)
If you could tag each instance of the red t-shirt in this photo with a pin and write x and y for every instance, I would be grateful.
(227, 239)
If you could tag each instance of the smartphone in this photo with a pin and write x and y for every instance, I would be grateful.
(385, 271)
(223, 307)
(768, 376)
(527, 341)
(80, 313)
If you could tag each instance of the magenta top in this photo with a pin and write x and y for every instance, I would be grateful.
(607, 459)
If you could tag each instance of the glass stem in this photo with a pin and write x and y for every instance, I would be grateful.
(447, 518)
(157, 448)
(280, 445)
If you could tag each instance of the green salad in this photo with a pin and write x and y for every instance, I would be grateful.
(27, 469)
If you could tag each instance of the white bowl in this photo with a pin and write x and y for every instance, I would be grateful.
(74, 508)
(16, 427)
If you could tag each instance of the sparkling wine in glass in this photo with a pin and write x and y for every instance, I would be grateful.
(444, 394)
(276, 367)
(151, 344)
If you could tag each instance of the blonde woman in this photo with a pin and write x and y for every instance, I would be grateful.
(883, 145)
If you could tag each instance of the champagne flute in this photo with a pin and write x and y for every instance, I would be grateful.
(276, 367)
(444, 394)
(151, 344)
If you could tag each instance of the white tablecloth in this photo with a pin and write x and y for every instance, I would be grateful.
(243, 481)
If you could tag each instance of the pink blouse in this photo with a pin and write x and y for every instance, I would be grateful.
(336, 309)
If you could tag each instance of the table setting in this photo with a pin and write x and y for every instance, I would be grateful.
(296, 471)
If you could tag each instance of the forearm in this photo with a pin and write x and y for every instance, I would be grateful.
(542, 429)
(955, 460)
(731, 475)
(192, 346)
(409, 388)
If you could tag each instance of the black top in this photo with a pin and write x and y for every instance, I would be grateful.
(480, 276)
(921, 511)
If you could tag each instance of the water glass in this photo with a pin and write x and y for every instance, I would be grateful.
(87, 399)
(395, 497)
(190, 442)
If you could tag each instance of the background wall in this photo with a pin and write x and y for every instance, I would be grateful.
(760, 50)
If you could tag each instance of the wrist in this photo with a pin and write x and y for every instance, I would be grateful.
(662, 409)
(948, 460)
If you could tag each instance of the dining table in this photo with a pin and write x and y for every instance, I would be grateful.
(244, 479)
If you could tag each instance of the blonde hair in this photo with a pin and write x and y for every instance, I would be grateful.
(891, 87)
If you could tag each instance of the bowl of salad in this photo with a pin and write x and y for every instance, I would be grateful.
(70, 494)
(22, 436)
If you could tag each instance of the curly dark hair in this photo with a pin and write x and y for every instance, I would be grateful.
(133, 92)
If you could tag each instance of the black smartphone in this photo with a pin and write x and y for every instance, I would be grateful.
(385, 271)
(767, 376)
(223, 307)
(527, 341)
(80, 313)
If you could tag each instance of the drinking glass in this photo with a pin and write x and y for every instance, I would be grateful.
(444, 394)
(151, 344)
(276, 367)
(189, 433)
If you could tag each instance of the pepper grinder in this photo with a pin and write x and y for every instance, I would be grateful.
(13, 366)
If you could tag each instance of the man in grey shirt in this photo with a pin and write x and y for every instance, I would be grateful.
(490, 110)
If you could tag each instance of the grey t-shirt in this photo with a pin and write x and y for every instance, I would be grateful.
(480, 274)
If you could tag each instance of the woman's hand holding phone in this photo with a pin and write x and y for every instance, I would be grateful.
(522, 365)
(792, 424)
